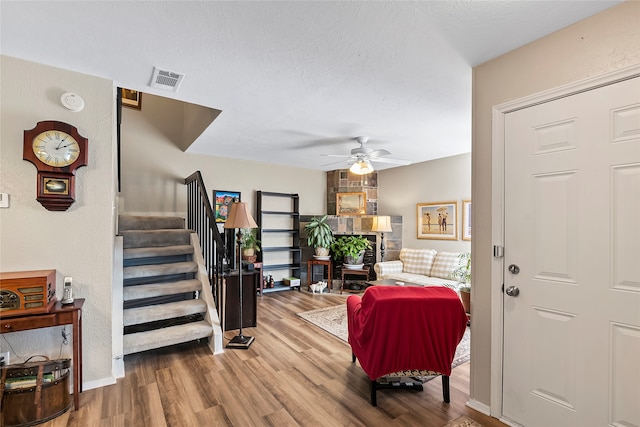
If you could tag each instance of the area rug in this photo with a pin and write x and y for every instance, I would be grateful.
(463, 421)
(334, 321)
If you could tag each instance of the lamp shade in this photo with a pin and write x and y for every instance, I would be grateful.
(240, 217)
(361, 167)
(381, 224)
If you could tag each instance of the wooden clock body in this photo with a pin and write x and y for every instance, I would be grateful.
(55, 189)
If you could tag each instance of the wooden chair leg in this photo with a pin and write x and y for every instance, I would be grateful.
(445, 388)
(374, 389)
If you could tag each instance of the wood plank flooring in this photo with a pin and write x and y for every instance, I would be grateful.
(294, 374)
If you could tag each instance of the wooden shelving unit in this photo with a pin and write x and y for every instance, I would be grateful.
(278, 216)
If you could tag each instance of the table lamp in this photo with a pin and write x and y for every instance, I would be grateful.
(239, 217)
(381, 224)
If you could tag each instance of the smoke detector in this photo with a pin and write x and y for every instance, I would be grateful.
(165, 79)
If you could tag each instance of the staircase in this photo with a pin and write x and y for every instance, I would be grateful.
(166, 290)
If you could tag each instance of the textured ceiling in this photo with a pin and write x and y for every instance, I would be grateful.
(297, 80)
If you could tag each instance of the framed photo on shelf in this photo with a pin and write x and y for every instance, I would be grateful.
(437, 221)
(351, 203)
(222, 203)
(466, 220)
(131, 98)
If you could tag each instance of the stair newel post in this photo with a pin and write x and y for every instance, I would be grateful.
(239, 217)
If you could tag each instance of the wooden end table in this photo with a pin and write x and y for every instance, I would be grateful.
(61, 314)
(351, 272)
(323, 262)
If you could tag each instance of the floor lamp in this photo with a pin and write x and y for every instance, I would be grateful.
(381, 224)
(239, 217)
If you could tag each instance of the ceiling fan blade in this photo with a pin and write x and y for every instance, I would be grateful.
(380, 152)
(391, 161)
(342, 162)
(336, 155)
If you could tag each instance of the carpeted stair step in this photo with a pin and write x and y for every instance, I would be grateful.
(151, 290)
(149, 238)
(157, 251)
(142, 341)
(141, 222)
(152, 313)
(152, 270)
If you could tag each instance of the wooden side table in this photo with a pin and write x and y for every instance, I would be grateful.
(348, 272)
(67, 314)
(323, 262)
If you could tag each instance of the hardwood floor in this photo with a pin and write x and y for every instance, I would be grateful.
(293, 374)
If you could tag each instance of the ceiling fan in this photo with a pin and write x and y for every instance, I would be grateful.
(361, 157)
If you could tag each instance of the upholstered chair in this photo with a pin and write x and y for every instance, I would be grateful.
(405, 331)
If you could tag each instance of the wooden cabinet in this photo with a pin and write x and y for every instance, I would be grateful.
(278, 218)
(67, 314)
(231, 295)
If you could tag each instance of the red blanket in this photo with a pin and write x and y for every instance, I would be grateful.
(395, 328)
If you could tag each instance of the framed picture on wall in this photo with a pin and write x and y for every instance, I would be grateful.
(131, 98)
(466, 220)
(351, 203)
(222, 203)
(437, 221)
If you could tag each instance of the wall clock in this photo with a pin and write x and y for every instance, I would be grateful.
(56, 149)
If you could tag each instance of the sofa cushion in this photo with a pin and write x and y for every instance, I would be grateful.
(444, 264)
(421, 279)
(417, 261)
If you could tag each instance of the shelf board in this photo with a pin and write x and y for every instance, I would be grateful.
(278, 288)
(281, 267)
(288, 213)
(272, 194)
(279, 230)
(280, 249)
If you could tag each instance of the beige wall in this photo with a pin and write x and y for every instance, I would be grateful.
(443, 180)
(153, 167)
(78, 242)
(605, 42)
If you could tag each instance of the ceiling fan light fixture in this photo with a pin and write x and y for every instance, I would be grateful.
(361, 167)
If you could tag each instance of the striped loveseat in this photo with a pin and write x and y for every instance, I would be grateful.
(421, 266)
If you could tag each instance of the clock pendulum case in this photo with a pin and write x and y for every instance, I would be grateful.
(56, 149)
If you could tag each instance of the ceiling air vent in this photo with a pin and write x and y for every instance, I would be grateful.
(167, 80)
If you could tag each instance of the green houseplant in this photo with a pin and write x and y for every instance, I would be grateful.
(350, 248)
(250, 244)
(319, 235)
(463, 275)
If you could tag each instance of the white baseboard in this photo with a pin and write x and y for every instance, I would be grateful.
(102, 382)
(117, 367)
(480, 407)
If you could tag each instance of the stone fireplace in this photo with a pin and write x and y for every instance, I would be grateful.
(343, 181)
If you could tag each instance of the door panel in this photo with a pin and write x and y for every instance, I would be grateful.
(572, 225)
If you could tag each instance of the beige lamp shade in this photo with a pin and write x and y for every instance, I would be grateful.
(240, 217)
(381, 224)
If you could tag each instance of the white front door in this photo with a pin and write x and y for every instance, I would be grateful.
(572, 229)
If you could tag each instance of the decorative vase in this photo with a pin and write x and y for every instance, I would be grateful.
(320, 251)
(248, 252)
(354, 260)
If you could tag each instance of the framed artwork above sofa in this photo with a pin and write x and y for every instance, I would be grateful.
(437, 221)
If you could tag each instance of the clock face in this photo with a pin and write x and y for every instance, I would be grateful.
(55, 148)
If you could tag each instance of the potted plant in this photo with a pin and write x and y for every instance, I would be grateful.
(463, 275)
(319, 235)
(250, 244)
(350, 248)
